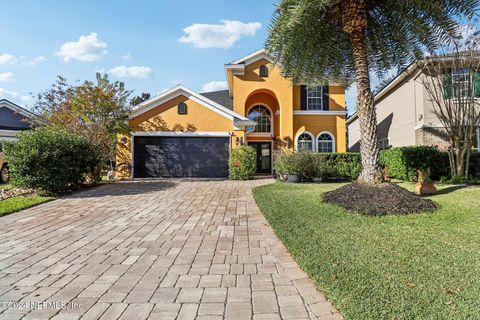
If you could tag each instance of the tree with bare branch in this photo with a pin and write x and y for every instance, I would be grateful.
(452, 82)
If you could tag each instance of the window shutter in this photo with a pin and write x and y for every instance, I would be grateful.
(325, 99)
(303, 97)
(477, 84)
(447, 85)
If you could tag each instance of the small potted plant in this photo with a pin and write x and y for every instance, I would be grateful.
(424, 185)
(291, 169)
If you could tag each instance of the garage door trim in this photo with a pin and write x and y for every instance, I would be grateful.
(169, 134)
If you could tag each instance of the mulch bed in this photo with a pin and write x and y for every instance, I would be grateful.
(14, 192)
(386, 198)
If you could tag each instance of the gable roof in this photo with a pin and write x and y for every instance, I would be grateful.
(251, 58)
(15, 107)
(180, 90)
(222, 97)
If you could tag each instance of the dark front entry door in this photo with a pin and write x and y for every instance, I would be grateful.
(264, 156)
(181, 157)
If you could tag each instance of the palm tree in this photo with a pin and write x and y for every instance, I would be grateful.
(321, 41)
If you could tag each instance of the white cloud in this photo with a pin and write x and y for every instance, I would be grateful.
(13, 94)
(6, 76)
(133, 72)
(126, 56)
(222, 35)
(36, 60)
(214, 86)
(6, 58)
(87, 48)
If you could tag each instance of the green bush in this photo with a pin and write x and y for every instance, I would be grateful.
(343, 166)
(242, 163)
(49, 160)
(307, 165)
(404, 162)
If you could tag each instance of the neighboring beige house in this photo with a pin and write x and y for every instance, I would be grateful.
(405, 114)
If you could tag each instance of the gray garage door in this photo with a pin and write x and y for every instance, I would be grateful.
(181, 157)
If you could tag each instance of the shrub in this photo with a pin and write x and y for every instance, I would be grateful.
(307, 165)
(344, 166)
(242, 163)
(51, 160)
(404, 162)
(289, 163)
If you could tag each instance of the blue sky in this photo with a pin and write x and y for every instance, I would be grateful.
(137, 42)
(150, 45)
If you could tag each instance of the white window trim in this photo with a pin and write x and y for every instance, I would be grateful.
(318, 98)
(272, 122)
(314, 147)
(334, 143)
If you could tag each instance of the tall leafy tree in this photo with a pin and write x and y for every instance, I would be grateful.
(322, 41)
(97, 110)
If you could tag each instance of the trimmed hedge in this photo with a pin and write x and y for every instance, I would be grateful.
(51, 160)
(403, 162)
(326, 166)
(242, 163)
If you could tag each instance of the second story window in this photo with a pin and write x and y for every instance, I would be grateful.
(462, 83)
(459, 83)
(261, 115)
(314, 98)
(263, 71)
(182, 108)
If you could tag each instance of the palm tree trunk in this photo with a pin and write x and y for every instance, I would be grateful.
(354, 20)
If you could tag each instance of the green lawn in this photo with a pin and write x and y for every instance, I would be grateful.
(424, 266)
(15, 204)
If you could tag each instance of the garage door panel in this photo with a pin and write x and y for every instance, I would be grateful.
(181, 156)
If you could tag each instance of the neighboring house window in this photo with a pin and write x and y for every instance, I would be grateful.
(263, 71)
(461, 83)
(314, 98)
(305, 142)
(261, 115)
(325, 142)
(182, 108)
(383, 144)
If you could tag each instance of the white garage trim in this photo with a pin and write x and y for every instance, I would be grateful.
(169, 134)
(180, 134)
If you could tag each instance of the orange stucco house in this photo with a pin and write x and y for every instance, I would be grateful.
(183, 133)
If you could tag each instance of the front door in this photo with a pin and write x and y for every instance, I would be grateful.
(264, 156)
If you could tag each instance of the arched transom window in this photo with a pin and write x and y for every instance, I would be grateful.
(261, 115)
(325, 142)
(305, 142)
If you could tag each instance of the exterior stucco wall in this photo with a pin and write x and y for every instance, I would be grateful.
(396, 117)
(250, 82)
(316, 124)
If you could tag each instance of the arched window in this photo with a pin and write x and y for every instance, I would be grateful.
(261, 115)
(263, 71)
(325, 142)
(305, 142)
(182, 108)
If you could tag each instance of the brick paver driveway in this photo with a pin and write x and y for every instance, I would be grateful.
(162, 250)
